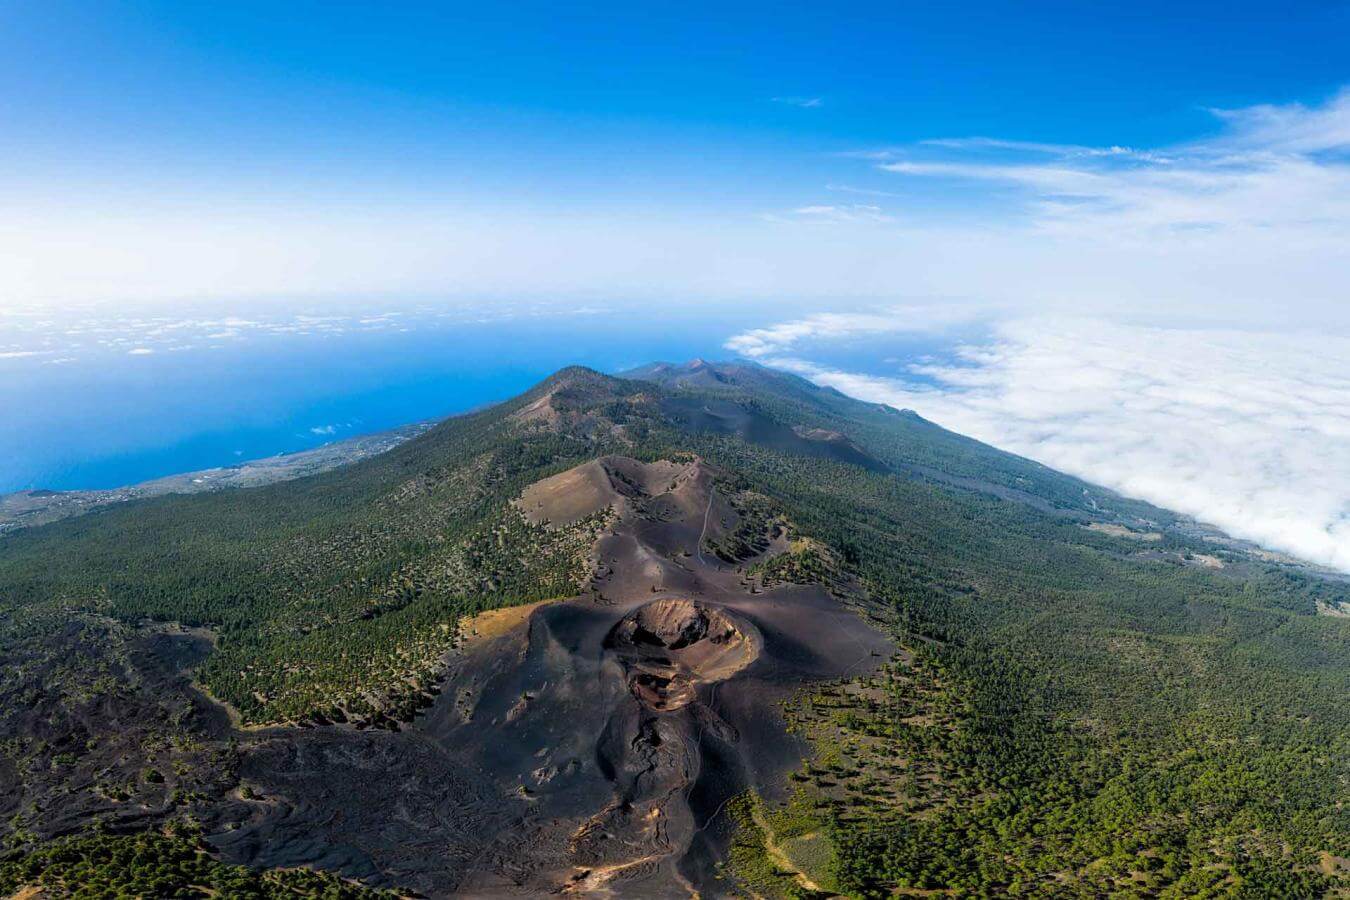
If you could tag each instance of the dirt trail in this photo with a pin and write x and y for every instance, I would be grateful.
(778, 855)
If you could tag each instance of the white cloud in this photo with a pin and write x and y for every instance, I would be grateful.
(864, 192)
(774, 340)
(1277, 175)
(801, 102)
(988, 143)
(1247, 430)
(140, 351)
(832, 214)
(1257, 215)
(324, 429)
(1293, 128)
(1123, 277)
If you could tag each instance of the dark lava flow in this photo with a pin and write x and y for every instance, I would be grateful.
(590, 751)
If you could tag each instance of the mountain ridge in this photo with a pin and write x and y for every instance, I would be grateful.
(1036, 655)
(26, 508)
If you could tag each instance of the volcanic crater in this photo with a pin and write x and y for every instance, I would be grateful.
(671, 646)
(590, 748)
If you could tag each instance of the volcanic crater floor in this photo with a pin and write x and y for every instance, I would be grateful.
(670, 647)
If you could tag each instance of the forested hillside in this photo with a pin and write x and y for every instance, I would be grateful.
(1081, 715)
(1074, 711)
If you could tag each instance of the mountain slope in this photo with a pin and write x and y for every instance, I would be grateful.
(1082, 700)
(905, 442)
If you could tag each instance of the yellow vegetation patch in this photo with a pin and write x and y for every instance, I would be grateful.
(1123, 532)
(494, 623)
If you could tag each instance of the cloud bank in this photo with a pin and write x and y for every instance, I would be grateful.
(50, 338)
(1170, 322)
(1247, 430)
(1255, 218)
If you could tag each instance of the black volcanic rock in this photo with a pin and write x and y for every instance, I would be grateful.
(588, 641)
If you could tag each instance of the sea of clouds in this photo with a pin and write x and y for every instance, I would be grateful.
(1170, 322)
(1248, 430)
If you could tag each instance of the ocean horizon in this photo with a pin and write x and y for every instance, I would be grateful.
(115, 416)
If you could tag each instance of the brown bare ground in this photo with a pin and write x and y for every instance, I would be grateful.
(494, 623)
(587, 489)
(1123, 532)
(568, 496)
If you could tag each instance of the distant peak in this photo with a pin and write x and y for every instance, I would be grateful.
(571, 373)
(696, 372)
(571, 376)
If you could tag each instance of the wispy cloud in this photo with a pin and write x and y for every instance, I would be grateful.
(1247, 430)
(801, 102)
(1253, 221)
(55, 337)
(1271, 167)
(1291, 128)
(1066, 150)
(832, 214)
(863, 192)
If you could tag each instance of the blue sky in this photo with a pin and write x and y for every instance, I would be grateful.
(1150, 198)
(251, 150)
(494, 83)
(536, 105)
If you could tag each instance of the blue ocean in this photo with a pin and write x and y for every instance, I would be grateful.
(98, 404)
(110, 417)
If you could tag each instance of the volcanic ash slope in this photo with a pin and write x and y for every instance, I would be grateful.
(620, 722)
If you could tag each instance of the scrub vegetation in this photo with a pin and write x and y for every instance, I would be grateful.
(173, 863)
(1071, 712)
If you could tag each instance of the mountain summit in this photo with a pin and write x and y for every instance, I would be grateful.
(701, 628)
